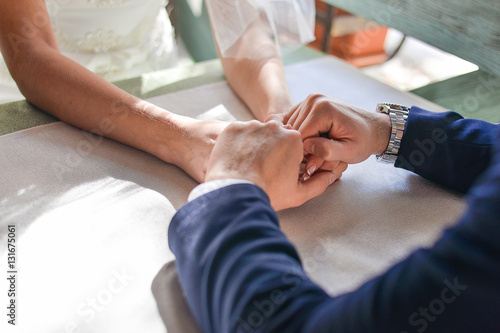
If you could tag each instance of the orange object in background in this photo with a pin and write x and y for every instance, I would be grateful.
(353, 39)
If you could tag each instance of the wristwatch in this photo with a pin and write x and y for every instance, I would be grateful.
(399, 115)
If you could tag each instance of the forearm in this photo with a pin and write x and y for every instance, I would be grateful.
(445, 148)
(240, 273)
(62, 87)
(233, 256)
(67, 90)
(255, 71)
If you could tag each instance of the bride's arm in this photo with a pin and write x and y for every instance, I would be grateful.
(254, 69)
(67, 90)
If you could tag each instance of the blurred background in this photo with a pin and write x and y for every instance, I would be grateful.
(383, 53)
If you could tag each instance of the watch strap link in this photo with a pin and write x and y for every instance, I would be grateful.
(399, 116)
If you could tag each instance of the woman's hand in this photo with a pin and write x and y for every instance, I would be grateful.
(192, 152)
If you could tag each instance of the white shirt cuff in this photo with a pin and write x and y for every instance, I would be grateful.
(213, 185)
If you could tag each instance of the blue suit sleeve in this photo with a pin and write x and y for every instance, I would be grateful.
(446, 148)
(241, 274)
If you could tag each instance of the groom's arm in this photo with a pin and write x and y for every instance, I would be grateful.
(440, 146)
(241, 274)
(446, 148)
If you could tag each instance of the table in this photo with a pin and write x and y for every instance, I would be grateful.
(92, 215)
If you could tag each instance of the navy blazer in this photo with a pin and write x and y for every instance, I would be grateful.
(241, 274)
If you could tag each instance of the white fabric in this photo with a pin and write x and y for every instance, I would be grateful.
(89, 210)
(214, 185)
(290, 22)
(117, 39)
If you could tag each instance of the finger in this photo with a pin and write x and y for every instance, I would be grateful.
(329, 165)
(328, 149)
(301, 112)
(293, 119)
(313, 164)
(315, 124)
(287, 119)
(339, 170)
(315, 185)
(322, 166)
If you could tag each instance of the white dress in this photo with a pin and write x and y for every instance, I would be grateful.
(117, 39)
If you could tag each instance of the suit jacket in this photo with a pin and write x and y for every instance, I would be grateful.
(241, 274)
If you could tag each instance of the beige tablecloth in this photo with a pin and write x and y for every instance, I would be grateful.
(92, 214)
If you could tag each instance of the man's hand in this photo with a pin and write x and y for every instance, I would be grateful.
(336, 131)
(268, 155)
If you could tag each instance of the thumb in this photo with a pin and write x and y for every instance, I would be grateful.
(327, 149)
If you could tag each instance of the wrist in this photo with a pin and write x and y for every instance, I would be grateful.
(147, 127)
(228, 173)
(279, 105)
(172, 138)
(268, 106)
(268, 91)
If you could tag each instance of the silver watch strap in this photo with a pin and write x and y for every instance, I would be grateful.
(399, 116)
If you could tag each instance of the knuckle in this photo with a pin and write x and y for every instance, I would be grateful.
(238, 127)
(271, 117)
(290, 133)
(254, 123)
(326, 153)
(233, 127)
(323, 104)
(294, 134)
(315, 96)
(273, 124)
(272, 127)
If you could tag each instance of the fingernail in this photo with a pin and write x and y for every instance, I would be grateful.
(306, 177)
(313, 148)
(311, 169)
(332, 179)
